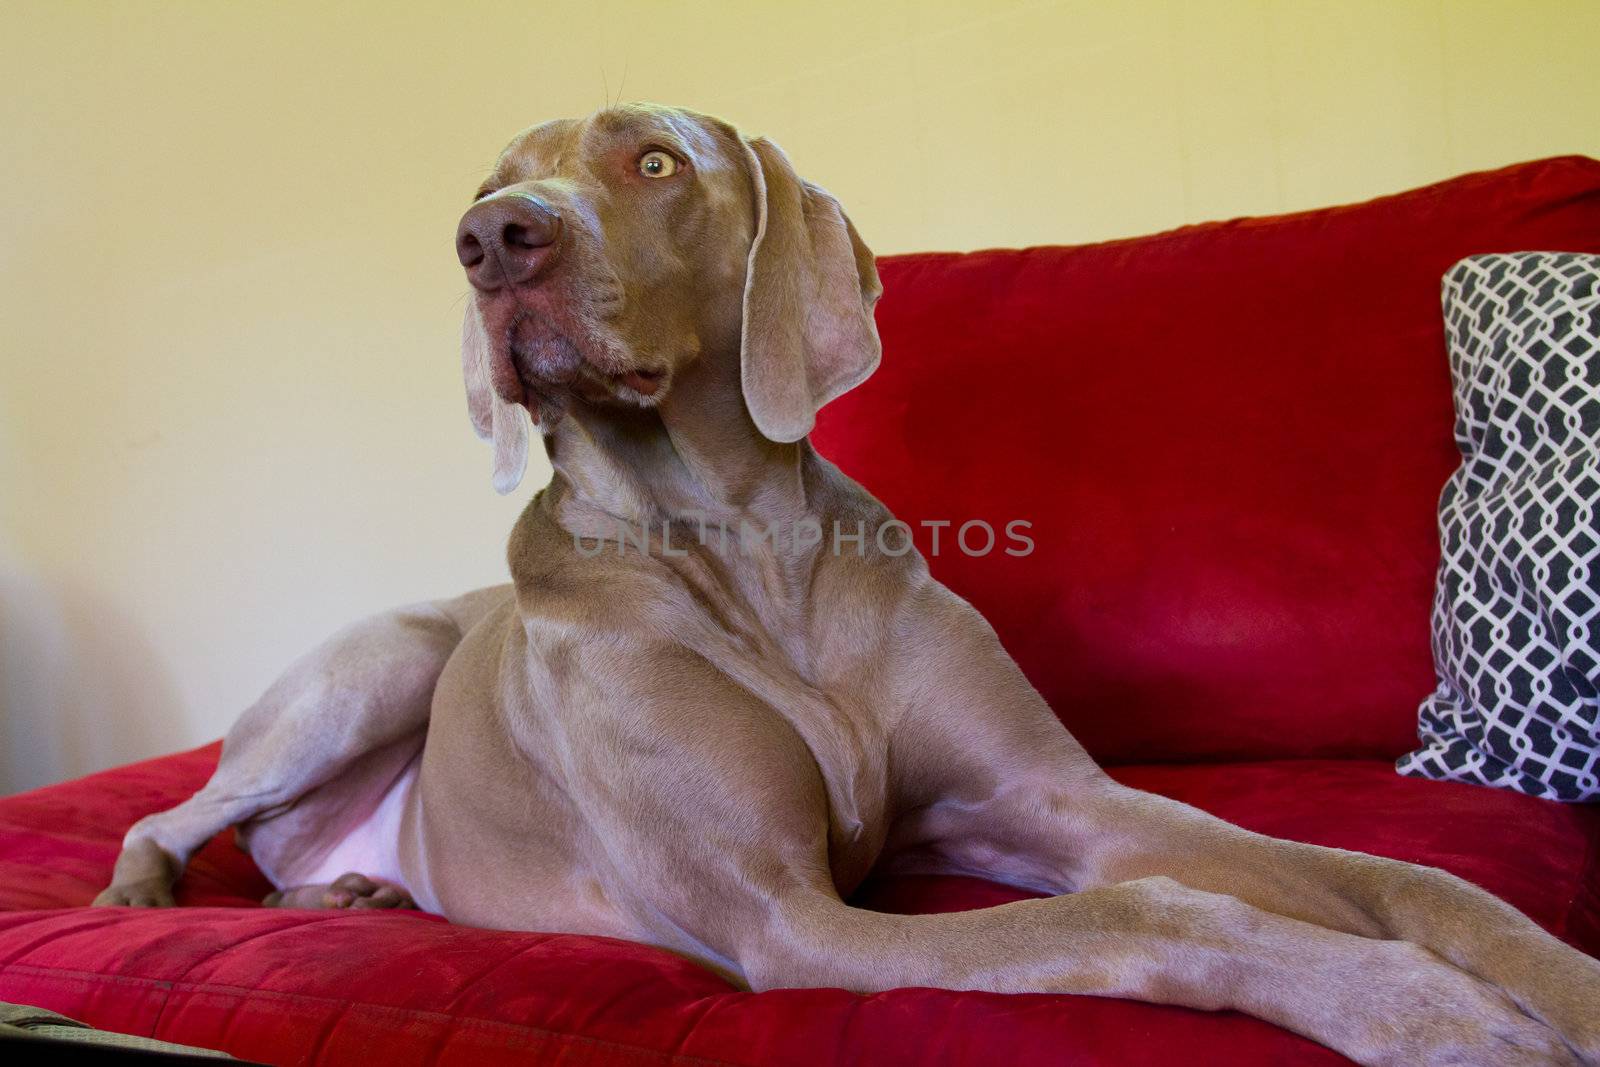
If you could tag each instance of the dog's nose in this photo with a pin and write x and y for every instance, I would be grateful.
(507, 240)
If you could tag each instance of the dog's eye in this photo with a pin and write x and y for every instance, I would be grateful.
(657, 164)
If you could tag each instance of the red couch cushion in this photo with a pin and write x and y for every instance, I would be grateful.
(1230, 440)
(399, 988)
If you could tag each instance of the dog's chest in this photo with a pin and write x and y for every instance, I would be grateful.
(809, 649)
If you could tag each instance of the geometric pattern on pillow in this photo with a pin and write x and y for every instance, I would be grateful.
(1516, 612)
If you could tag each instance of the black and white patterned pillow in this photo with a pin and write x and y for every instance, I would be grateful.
(1516, 614)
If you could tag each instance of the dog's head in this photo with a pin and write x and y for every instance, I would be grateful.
(607, 254)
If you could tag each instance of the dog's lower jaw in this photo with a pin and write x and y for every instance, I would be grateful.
(644, 382)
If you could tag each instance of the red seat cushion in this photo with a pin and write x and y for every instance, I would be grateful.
(1230, 440)
(297, 987)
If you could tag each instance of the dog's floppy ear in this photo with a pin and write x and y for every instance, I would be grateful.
(503, 424)
(808, 294)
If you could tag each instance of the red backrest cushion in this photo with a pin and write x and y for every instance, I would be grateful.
(1230, 441)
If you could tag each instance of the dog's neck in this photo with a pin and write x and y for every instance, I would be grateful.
(697, 456)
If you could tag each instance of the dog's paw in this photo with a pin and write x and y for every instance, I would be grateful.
(150, 893)
(1437, 1014)
(353, 890)
(1562, 986)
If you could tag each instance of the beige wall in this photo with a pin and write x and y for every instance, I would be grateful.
(229, 413)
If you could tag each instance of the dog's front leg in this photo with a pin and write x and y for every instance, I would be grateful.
(366, 687)
(1138, 834)
(1012, 797)
(1155, 940)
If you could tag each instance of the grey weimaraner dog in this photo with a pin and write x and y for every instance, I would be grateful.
(703, 742)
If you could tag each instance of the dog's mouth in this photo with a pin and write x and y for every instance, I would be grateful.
(543, 358)
(643, 382)
(551, 367)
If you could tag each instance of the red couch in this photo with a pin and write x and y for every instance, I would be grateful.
(1229, 440)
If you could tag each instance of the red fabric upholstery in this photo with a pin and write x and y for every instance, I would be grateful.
(399, 988)
(1229, 439)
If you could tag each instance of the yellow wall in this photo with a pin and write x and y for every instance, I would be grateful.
(229, 412)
